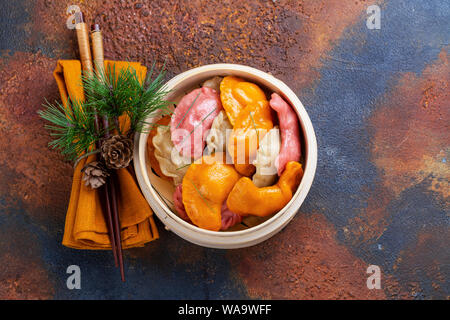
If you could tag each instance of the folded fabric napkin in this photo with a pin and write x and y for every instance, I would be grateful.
(85, 221)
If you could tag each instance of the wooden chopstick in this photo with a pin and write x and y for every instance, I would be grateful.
(97, 50)
(86, 63)
(116, 223)
(109, 221)
(83, 43)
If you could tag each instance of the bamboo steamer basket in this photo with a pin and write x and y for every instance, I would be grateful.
(158, 192)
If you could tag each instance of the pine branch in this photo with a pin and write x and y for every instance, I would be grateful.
(108, 96)
(72, 127)
(113, 96)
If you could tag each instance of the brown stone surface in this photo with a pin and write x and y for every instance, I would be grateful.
(322, 254)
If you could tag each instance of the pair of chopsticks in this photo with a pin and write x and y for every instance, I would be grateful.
(109, 191)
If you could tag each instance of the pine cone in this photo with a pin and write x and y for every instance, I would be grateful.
(95, 174)
(117, 151)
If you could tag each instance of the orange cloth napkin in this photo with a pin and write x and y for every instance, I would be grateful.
(85, 223)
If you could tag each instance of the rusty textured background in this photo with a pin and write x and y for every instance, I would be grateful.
(379, 101)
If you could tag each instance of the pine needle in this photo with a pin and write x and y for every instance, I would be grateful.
(107, 95)
(254, 126)
(114, 95)
(184, 116)
(198, 124)
(202, 197)
(182, 167)
(72, 127)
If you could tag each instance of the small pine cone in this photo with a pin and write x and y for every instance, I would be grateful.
(95, 174)
(117, 151)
